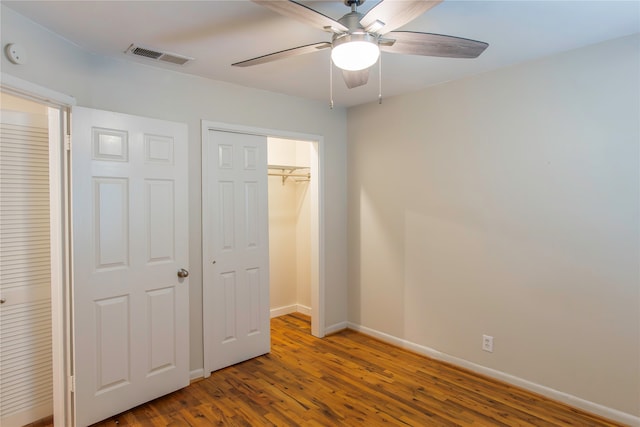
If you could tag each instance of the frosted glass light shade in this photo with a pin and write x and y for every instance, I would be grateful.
(353, 55)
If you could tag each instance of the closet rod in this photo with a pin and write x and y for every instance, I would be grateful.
(285, 175)
(292, 175)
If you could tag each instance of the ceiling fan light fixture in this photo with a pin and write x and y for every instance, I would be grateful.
(354, 52)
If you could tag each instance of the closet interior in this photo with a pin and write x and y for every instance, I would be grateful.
(289, 226)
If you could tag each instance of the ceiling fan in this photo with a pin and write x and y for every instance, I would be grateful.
(358, 38)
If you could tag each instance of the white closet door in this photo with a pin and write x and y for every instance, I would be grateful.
(235, 249)
(25, 271)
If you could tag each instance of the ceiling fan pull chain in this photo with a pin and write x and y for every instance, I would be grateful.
(330, 84)
(380, 80)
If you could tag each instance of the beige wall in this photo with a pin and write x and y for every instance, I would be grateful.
(19, 110)
(13, 103)
(282, 243)
(507, 204)
(119, 85)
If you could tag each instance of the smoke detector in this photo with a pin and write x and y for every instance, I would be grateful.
(157, 55)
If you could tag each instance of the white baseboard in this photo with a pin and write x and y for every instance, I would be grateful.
(288, 309)
(281, 311)
(303, 309)
(568, 399)
(335, 328)
(196, 374)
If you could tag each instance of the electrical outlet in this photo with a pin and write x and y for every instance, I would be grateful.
(487, 343)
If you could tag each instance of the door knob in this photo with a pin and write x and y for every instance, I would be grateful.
(2, 300)
(182, 273)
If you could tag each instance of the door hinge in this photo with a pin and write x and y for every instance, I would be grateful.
(71, 383)
(67, 142)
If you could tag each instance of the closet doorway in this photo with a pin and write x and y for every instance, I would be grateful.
(289, 169)
(222, 208)
(32, 282)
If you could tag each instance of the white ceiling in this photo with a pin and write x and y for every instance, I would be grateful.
(219, 33)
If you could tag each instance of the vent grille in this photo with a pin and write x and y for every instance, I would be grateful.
(157, 55)
(147, 53)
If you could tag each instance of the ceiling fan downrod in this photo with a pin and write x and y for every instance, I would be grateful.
(353, 4)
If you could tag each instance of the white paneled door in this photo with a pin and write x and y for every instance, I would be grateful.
(130, 244)
(235, 248)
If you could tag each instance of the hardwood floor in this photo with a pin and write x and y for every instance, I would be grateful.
(347, 379)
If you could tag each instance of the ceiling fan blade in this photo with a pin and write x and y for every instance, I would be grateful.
(426, 44)
(304, 14)
(300, 50)
(355, 78)
(395, 13)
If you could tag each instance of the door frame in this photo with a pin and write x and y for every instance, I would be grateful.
(316, 187)
(60, 221)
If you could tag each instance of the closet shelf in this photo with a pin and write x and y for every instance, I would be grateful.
(300, 173)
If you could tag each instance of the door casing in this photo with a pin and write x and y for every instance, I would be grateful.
(317, 210)
(59, 107)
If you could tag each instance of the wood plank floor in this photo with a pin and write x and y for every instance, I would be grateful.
(347, 379)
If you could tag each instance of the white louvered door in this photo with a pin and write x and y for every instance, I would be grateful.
(25, 270)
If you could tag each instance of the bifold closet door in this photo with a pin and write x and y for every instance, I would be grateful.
(25, 271)
(235, 249)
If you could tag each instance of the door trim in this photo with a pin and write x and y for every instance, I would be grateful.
(60, 248)
(317, 211)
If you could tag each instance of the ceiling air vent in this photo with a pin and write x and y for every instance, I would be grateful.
(157, 55)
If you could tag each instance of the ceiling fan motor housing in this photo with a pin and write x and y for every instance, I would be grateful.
(352, 21)
(363, 36)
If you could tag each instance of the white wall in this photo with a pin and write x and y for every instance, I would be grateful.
(507, 204)
(118, 85)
